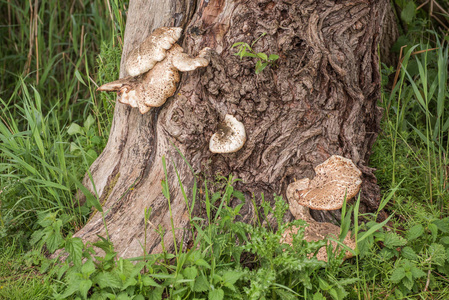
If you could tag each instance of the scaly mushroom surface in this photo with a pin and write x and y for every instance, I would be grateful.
(154, 67)
(336, 178)
(230, 136)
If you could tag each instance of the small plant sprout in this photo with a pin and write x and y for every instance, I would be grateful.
(263, 60)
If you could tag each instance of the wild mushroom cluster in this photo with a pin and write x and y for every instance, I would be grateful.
(335, 179)
(154, 68)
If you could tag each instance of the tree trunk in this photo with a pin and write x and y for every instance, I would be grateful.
(319, 99)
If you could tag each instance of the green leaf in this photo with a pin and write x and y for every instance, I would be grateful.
(393, 240)
(36, 236)
(397, 275)
(442, 225)
(88, 268)
(74, 246)
(323, 284)
(373, 229)
(232, 276)
(202, 263)
(84, 287)
(445, 240)
(88, 122)
(91, 200)
(147, 281)
(106, 279)
(91, 156)
(434, 231)
(415, 232)
(217, 294)
(95, 140)
(262, 56)
(417, 273)
(408, 12)
(273, 57)
(190, 272)
(437, 254)
(408, 283)
(156, 294)
(408, 253)
(78, 76)
(74, 129)
(238, 44)
(318, 296)
(201, 284)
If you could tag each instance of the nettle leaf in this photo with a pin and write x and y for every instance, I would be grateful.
(232, 276)
(217, 294)
(54, 238)
(415, 232)
(201, 284)
(434, 231)
(393, 240)
(202, 263)
(445, 240)
(318, 296)
(408, 283)
(72, 287)
(88, 268)
(156, 294)
(106, 279)
(84, 287)
(398, 275)
(190, 272)
(148, 281)
(437, 254)
(36, 237)
(417, 272)
(409, 253)
(442, 225)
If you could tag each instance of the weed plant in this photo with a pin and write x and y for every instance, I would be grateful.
(48, 77)
(228, 259)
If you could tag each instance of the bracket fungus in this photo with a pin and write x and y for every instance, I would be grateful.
(230, 136)
(154, 68)
(335, 179)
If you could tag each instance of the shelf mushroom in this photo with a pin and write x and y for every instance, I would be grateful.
(230, 136)
(335, 178)
(154, 67)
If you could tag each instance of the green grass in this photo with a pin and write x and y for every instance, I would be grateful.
(52, 56)
(53, 125)
(20, 275)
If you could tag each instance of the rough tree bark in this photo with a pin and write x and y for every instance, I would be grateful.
(319, 100)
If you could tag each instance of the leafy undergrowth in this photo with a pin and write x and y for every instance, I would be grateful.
(228, 259)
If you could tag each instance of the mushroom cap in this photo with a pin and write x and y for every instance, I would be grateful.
(152, 50)
(230, 136)
(318, 231)
(184, 62)
(335, 178)
(160, 82)
(298, 211)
